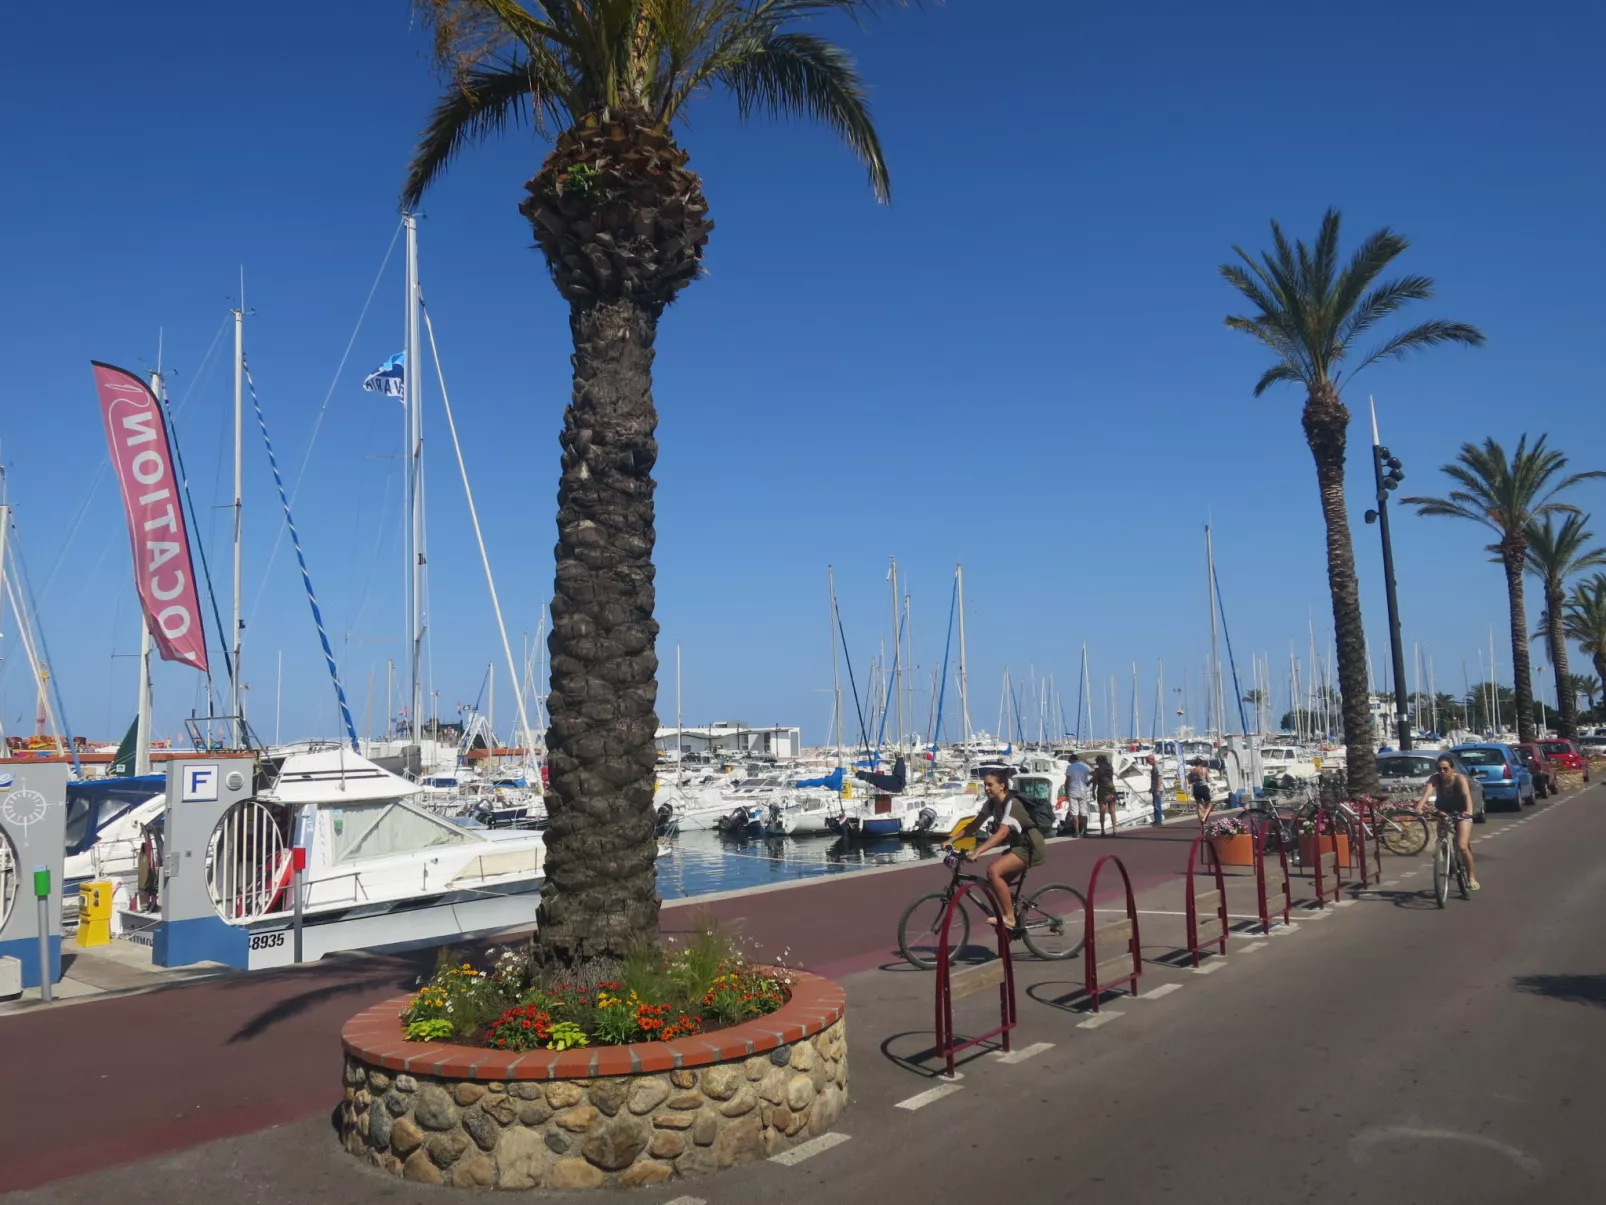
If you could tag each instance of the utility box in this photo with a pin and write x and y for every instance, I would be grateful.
(10, 978)
(95, 913)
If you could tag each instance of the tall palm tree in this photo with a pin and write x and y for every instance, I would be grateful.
(1509, 496)
(1587, 685)
(1556, 551)
(1584, 622)
(622, 223)
(1312, 313)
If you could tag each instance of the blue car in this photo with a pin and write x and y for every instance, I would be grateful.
(1500, 772)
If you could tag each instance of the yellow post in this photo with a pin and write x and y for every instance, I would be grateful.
(95, 913)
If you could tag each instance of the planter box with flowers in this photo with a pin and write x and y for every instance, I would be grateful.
(1232, 840)
(1318, 836)
(684, 1063)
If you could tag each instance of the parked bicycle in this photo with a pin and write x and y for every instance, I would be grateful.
(1447, 863)
(1053, 918)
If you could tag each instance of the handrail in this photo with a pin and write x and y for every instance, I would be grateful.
(1129, 928)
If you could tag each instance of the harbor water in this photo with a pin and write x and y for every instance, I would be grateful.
(704, 862)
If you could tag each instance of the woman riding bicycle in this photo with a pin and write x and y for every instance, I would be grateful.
(1454, 798)
(1022, 841)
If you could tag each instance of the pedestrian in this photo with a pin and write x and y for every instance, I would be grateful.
(1078, 800)
(1154, 790)
(1199, 778)
(1104, 790)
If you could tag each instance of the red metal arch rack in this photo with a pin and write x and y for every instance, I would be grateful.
(1094, 983)
(973, 979)
(1266, 910)
(1214, 900)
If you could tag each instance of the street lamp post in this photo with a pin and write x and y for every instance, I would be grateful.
(1388, 475)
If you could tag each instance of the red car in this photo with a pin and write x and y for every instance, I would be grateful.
(1541, 767)
(1564, 755)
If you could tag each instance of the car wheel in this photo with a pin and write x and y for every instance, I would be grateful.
(1480, 817)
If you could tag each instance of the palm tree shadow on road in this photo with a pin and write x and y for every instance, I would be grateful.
(1575, 989)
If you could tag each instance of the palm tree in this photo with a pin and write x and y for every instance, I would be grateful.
(1510, 497)
(1555, 553)
(622, 223)
(1587, 685)
(1583, 620)
(1312, 313)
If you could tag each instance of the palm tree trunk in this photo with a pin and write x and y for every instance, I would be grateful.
(1566, 699)
(1512, 554)
(1326, 421)
(600, 895)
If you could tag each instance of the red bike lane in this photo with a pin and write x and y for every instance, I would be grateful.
(105, 1082)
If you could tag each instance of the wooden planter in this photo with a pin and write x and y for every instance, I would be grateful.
(1307, 849)
(1238, 850)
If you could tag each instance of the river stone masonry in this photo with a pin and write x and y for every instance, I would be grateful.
(612, 1116)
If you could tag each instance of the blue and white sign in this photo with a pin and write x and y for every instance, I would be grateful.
(200, 784)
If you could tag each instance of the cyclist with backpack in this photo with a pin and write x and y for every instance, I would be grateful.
(1017, 832)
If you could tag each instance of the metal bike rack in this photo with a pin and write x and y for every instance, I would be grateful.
(1094, 983)
(1320, 856)
(951, 986)
(1214, 901)
(1266, 909)
(1369, 814)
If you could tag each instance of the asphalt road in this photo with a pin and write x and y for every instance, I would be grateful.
(1389, 1051)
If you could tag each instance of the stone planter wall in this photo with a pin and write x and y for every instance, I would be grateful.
(610, 1116)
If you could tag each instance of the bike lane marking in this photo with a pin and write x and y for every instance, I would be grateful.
(1253, 947)
(1099, 1019)
(1027, 1052)
(921, 1099)
(807, 1150)
(1154, 993)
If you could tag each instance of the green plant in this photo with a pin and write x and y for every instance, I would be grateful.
(708, 953)
(430, 1029)
(465, 998)
(566, 1035)
(521, 1028)
(616, 1015)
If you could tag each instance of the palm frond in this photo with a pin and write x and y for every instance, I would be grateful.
(1381, 302)
(796, 74)
(1285, 371)
(484, 102)
(1427, 334)
(1375, 253)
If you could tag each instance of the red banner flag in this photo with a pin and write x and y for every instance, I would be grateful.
(163, 572)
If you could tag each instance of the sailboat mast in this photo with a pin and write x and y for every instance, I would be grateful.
(235, 707)
(1214, 684)
(897, 656)
(142, 722)
(836, 672)
(964, 685)
(412, 397)
(680, 731)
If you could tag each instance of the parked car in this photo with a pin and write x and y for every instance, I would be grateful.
(1501, 772)
(1565, 756)
(1405, 774)
(1541, 767)
(1591, 746)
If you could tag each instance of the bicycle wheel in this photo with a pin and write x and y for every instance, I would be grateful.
(1461, 877)
(1405, 835)
(920, 931)
(1262, 818)
(1441, 871)
(1055, 920)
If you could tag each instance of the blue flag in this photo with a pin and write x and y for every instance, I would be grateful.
(389, 378)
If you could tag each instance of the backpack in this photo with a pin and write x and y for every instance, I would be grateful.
(1041, 812)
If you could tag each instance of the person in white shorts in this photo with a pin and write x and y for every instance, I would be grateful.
(1078, 795)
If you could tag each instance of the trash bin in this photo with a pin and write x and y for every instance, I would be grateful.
(95, 913)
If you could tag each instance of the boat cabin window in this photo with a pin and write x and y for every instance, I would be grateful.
(1038, 790)
(377, 830)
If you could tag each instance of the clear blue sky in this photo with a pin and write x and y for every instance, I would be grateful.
(1018, 365)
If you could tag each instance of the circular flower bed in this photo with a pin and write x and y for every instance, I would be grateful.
(594, 1115)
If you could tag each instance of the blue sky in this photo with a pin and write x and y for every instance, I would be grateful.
(1018, 365)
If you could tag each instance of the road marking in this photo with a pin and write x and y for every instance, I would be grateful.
(1315, 914)
(1346, 903)
(1287, 930)
(921, 1099)
(1020, 1056)
(807, 1150)
(1392, 882)
(1208, 968)
(1410, 874)
(1230, 915)
(687, 1201)
(1253, 947)
(1098, 1019)
(1165, 989)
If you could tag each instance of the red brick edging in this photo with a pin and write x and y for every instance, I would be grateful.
(375, 1037)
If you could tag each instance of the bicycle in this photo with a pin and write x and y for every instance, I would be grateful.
(1447, 861)
(1052, 919)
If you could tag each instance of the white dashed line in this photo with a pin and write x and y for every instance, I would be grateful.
(1098, 1019)
(687, 1201)
(1027, 1052)
(807, 1150)
(1253, 947)
(1346, 903)
(1165, 989)
(1287, 930)
(922, 1099)
(1391, 882)
(1208, 968)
